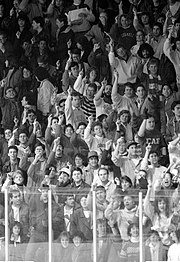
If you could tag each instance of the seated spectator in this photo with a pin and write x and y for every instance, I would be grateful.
(62, 249)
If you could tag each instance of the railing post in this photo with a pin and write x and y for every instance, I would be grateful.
(6, 227)
(94, 226)
(50, 225)
(141, 258)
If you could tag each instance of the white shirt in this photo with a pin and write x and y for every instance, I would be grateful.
(174, 252)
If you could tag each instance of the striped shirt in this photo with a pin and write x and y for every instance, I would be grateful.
(88, 107)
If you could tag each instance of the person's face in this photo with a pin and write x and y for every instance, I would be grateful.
(121, 52)
(178, 45)
(124, 22)
(139, 36)
(161, 20)
(59, 151)
(34, 25)
(39, 150)
(122, 148)
(68, 131)
(70, 201)
(128, 91)
(62, 106)
(103, 18)
(18, 179)
(10, 93)
(161, 205)
(116, 203)
(101, 195)
(145, 19)
(12, 154)
(76, 58)
(103, 175)
(81, 129)
(42, 45)
(76, 101)
(101, 228)
(134, 231)
(98, 130)
(90, 92)
(150, 124)
(153, 68)
(145, 53)
(93, 161)
(166, 91)
(83, 202)
(108, 90)
(16, 3)
(16, 198)
(154, 239)
(26, 73)
(78, 161)
(75, 71)
(166, 180)
(44, 195)
(93, 75)
(64, 241)
(140, 92)
(77, 241)
(54, 123)
(125, 185)
(8, 134)
(177, 27)
(124, 118)
(23, 138)
(21, 23)
(77, 176)
(63, 177)
(156, 31)
(153, 158)
(2, 39)
(176, 110)
(59, 3)
(16, 230)
(31, 117)
(132, 151)
(129, 202)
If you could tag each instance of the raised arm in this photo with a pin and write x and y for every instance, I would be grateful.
(88, 137)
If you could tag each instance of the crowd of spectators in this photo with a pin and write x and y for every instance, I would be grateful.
(90, 100)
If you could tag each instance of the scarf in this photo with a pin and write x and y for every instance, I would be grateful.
(157, 81)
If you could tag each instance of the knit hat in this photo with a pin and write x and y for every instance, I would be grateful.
(41, 73)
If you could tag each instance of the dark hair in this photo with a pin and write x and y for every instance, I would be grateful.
(124, 111)
(93, 85)
(39, 20)
(20, 226)
(79, 234)
(76, 51)
(64, 234)
(73, 64)
(81, 124)
(100, 188)
(68, 125)
(30, 111)
(13, 147)
(103, 168)
(145, 46)
(75, 94)
(78, 169)
(39, 144)
(153, 61)
(96, 123)
(174, 104)
(130, 227)
(154, 152)
(160, 27)
(159, 197)
(127, 179)
(139, 85)
(90, 70)
(101, 117)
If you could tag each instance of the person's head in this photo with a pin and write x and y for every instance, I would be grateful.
(177, 25)
(152, 66)
(167, 180)
(92, 74)
(43, 60)
(116, 200)
(64, 239)
(74, 69)
(161, 204)
(154, 237)
(76, 55)
(31, 115)
(39, 149)
(15, 197)
(157, 29)
(68, 130)
(126, 183)
(175, 107)
(140, 91)
(166, 90)
(145, 18)
(78, 238)
(145, 51)
(61, 21)
(62, 105)
(101, 227)
(103, 174)
(7, 134)
(41, 73)
(100, 193)
(128, 90)
(103, 18)
(10, 93)
(153, 157)
(23, 137)
(64, 175)
(44, 193)
(23, 20)
(26, 72)
(122, 146)
(97, 128)
(54, 122)
(12, 152)
(93, 159)
(77, 175)
(18, 177)
(16, 228)
(69, 200)
(140, 36)
(129, 202)
(76, 99)
(37, 23)
(3, 37)
(121, 51)
(108, 90)
(81, 127)
(133, 230)
(78, 160)
(83, 202)
(91, 90)
(177, 43)
(150, 123)
(132, 148)
(124, 116)
(161, 18)
(124, 21)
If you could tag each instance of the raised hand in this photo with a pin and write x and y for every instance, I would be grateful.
(108, 144)
(90, 119)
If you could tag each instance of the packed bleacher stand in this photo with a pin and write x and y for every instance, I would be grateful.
(90, 101)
